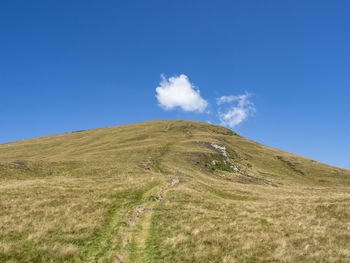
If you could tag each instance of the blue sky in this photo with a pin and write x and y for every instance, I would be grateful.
(72, 65)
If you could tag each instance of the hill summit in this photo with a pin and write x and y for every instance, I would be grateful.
(168, 191)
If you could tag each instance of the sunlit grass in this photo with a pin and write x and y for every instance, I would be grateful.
(70, 197)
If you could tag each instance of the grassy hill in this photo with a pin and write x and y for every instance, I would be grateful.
(168, 191)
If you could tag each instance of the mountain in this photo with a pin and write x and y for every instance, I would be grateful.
(168, 191)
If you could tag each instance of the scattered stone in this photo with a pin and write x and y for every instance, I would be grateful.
(159, 197)
(141, 209)
(134, 216)
(145, 166)
(219, 148)
(16, 165)
(174, 182)
(222, 150)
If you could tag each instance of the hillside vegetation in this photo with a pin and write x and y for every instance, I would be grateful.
(168, 191)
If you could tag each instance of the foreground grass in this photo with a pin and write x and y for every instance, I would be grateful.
(72, 197)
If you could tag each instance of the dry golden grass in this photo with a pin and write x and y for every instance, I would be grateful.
(72, 197)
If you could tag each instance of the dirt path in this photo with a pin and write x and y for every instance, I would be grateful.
(108, 240)
(140, 224)
(127, 242)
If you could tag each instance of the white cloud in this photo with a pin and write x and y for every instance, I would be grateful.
(239, 108)
(179, 92)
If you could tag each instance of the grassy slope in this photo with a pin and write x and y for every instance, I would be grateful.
(103, 195)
